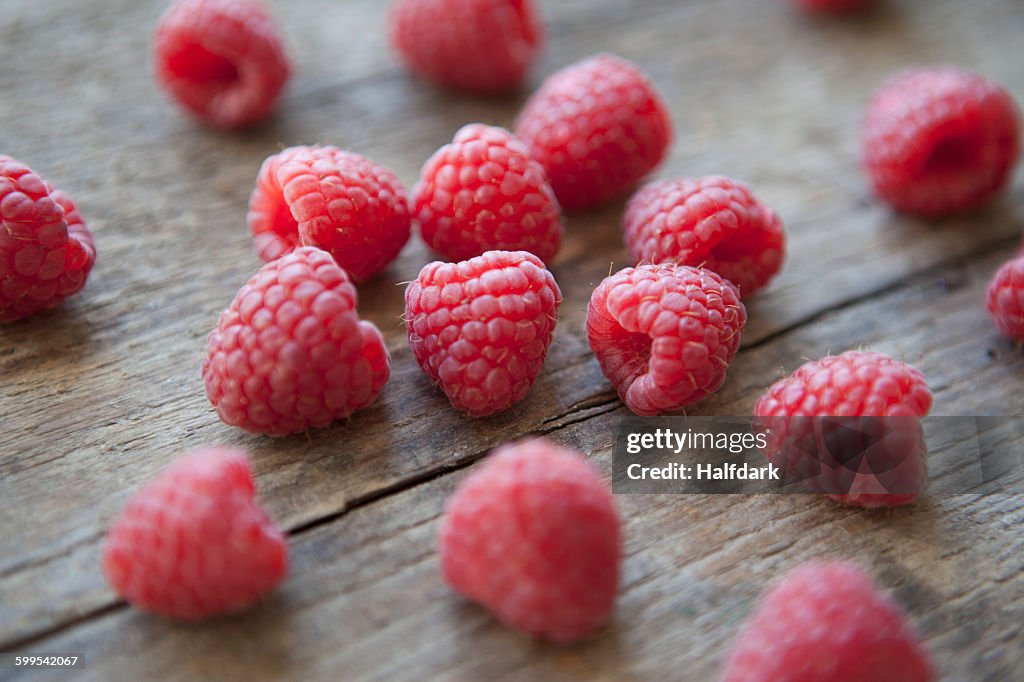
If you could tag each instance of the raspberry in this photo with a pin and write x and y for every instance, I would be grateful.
(483, 192)
(474, 45)
(854, 383)
(712, 222)
(1005, 299)
(192, 543)
(868, 463)
(341, 202)
(940, 140)
(221, 60)
(598, 127)
(46, 251)
(826, 622)
(533, 535)
(482, 327)
(291, 352)
(665, 334)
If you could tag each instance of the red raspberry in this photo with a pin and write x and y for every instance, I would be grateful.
(46, 251)
(291, 352)
(475, 45)
(940, 140)
(341, 202)
(665, 334)
(834, 5)
(1005, 299)
(483, 192)
(868, 463)
(711, 222)
(222, 60)
(192, 543)
(482, 327)
(855, 383)
(598, 127)
(533, 535)
(826, 622)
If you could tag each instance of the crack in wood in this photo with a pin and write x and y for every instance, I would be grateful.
(913, 279)
(21, 643)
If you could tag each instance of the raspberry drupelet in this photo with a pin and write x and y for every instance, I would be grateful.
(223, 61)
(480, 46)
(533, 535)
(353, 208)
(483, 192)
(481, 327)
(598, 127)
(192, 543)
(712, 222)
(664, 335)
(940, 140)
(827, 622)
(46, 251)
(291, 353)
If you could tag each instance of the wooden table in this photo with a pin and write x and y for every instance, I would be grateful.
(99, 395)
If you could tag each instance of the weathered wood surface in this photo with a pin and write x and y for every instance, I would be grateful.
(100, 394)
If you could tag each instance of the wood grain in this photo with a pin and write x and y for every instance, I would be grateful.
(366, 599)
(100, 394)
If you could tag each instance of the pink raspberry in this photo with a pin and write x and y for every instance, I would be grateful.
(481, 328)
(221, 60)
(533, 535)
(483, 192)
(192, 543)
(855, 383)
(598, 127)
(868, 463)
(1005, 299)
(826, 622)
(940, 140)
(291, 353)
(665, 334)
(711, 222)
(46, 251)
(338, 201)
(475, 45)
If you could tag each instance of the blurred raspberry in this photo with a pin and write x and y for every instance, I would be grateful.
(46, 251)
(1005, 299)
(483, 192)
(222, 60)
(475, 45)
(826, 622)
(534, 536)
(940, 140)
(598, 127)
(193, 543)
